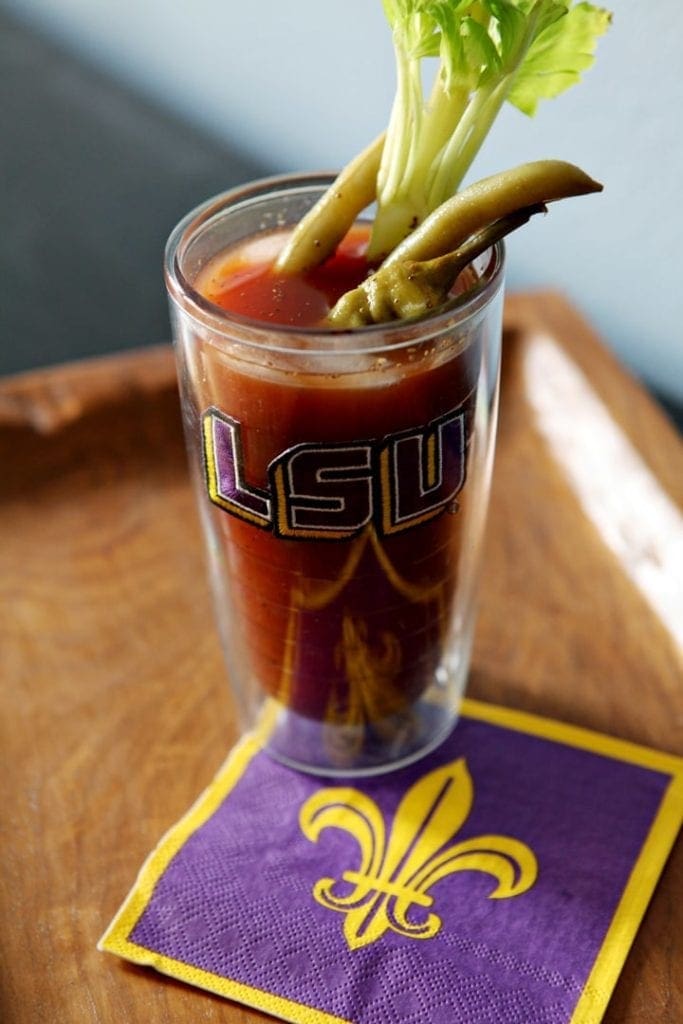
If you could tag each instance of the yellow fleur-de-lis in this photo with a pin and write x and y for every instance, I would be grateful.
(395, 877)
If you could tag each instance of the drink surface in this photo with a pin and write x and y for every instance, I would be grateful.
(243, 280)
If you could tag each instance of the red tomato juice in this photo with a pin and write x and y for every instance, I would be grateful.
(346, 569)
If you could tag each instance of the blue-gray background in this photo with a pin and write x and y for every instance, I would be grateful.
(286, 86)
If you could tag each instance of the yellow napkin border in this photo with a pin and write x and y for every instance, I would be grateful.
(616, 944)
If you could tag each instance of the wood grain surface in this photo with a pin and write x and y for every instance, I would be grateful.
(116, 711)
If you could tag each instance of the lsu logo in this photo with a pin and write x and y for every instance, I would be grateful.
(331, 491)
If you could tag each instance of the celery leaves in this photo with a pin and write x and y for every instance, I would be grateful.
(557, 57)
(489, 51)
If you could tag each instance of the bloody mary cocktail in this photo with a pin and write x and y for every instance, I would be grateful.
(343, 479)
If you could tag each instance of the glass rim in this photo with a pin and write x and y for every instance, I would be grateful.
(259, 334)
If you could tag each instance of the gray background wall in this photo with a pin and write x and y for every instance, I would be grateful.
(305, 84)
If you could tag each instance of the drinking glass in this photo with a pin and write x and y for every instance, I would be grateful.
(343, 480)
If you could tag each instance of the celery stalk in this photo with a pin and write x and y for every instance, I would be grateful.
(490, 51)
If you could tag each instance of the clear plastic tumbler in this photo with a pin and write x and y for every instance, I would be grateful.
(343, 481)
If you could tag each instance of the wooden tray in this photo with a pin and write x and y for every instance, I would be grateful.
(116, 708)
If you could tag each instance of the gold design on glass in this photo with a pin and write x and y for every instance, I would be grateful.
(370, 672)
(369, 663)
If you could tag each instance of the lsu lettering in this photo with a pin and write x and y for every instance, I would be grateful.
(331, 491)
(225, 474)
(421, 472)
(322, 490)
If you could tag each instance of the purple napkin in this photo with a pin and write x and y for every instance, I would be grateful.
(501, 879)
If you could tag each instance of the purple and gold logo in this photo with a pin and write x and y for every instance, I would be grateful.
(331, 491)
